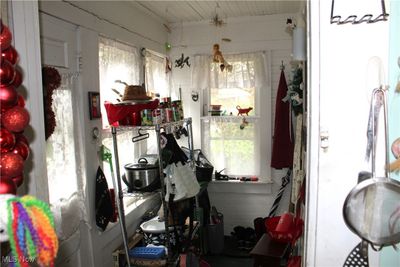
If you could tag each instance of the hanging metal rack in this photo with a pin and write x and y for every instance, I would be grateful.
(368, 18)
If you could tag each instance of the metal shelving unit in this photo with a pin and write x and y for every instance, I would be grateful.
(167, 127)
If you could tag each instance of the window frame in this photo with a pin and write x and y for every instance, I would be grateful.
(262, 116)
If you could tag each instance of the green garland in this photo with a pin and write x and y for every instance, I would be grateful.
(295, 91)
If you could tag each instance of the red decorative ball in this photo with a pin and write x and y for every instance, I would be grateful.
(7, 186)
(8, 96)
(18, 180)
(15, 119)
(7, 72)
(7, 140)
(19, 137)
(11, 164)
(20, 101)
(11, 55)
(5, 38)
(22, 149)
(17, 79)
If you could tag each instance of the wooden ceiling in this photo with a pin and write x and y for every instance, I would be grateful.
(184, 11)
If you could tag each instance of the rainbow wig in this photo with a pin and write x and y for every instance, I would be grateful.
(31, 232)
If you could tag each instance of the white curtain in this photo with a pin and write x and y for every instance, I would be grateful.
(223, 140)
(117, 61)
(247, 70)
(64, 172)
(157, 76)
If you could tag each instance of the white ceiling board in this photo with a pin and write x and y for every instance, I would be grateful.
(185, 11)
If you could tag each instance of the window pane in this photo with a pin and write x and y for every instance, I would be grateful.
(227, 146)
(156, 76)
(60, 149)
(117, 61)
(230, 98)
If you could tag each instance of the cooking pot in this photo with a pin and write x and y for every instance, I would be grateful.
(141, 176)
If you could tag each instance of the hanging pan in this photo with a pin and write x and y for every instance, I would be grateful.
(370, 208)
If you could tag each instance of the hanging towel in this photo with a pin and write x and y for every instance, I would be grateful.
(104, 208)
(282, 149)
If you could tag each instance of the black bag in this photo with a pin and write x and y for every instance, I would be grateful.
(204, 169)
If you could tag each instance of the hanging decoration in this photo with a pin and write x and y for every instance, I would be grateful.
(295, 91)
(180, 62)
(244, 123)
(51, 79)
(219, 58)
(168, 65)
(25, 222)
(28, 225)
(216, 20)
(14, 118)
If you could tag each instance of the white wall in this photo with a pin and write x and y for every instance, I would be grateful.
(341, 75)
(121, 21)
(240, 203)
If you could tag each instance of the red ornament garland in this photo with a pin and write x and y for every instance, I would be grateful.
(14, 146)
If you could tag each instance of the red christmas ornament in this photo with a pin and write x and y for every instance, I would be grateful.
(11, 55)
(20, 101)
(15, 119)
(22, 149)
(8, 96)
(7, 72)
(17, 79)
(7, 140)
(19, 137)
(5, 38)
(7, 186)
(18, 180)
(11, 164)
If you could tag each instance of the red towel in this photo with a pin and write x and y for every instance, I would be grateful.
(282, 148)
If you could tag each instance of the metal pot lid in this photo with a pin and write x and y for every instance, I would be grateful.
(141, 165)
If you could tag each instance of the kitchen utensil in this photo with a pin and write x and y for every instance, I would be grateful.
(368, 208)
(141, 176)
(358, 257)
(141, 136)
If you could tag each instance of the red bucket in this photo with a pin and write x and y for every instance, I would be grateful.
(285, 228)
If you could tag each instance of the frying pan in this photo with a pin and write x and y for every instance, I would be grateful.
(369, 207)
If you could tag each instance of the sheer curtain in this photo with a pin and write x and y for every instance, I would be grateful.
(117, 61)
(64, 172)
(157, 77)
(224, 141)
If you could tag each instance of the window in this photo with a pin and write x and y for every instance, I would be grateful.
(64, 162)
(229, 142)
(157, 78)
(60, 148)
(117, 61)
